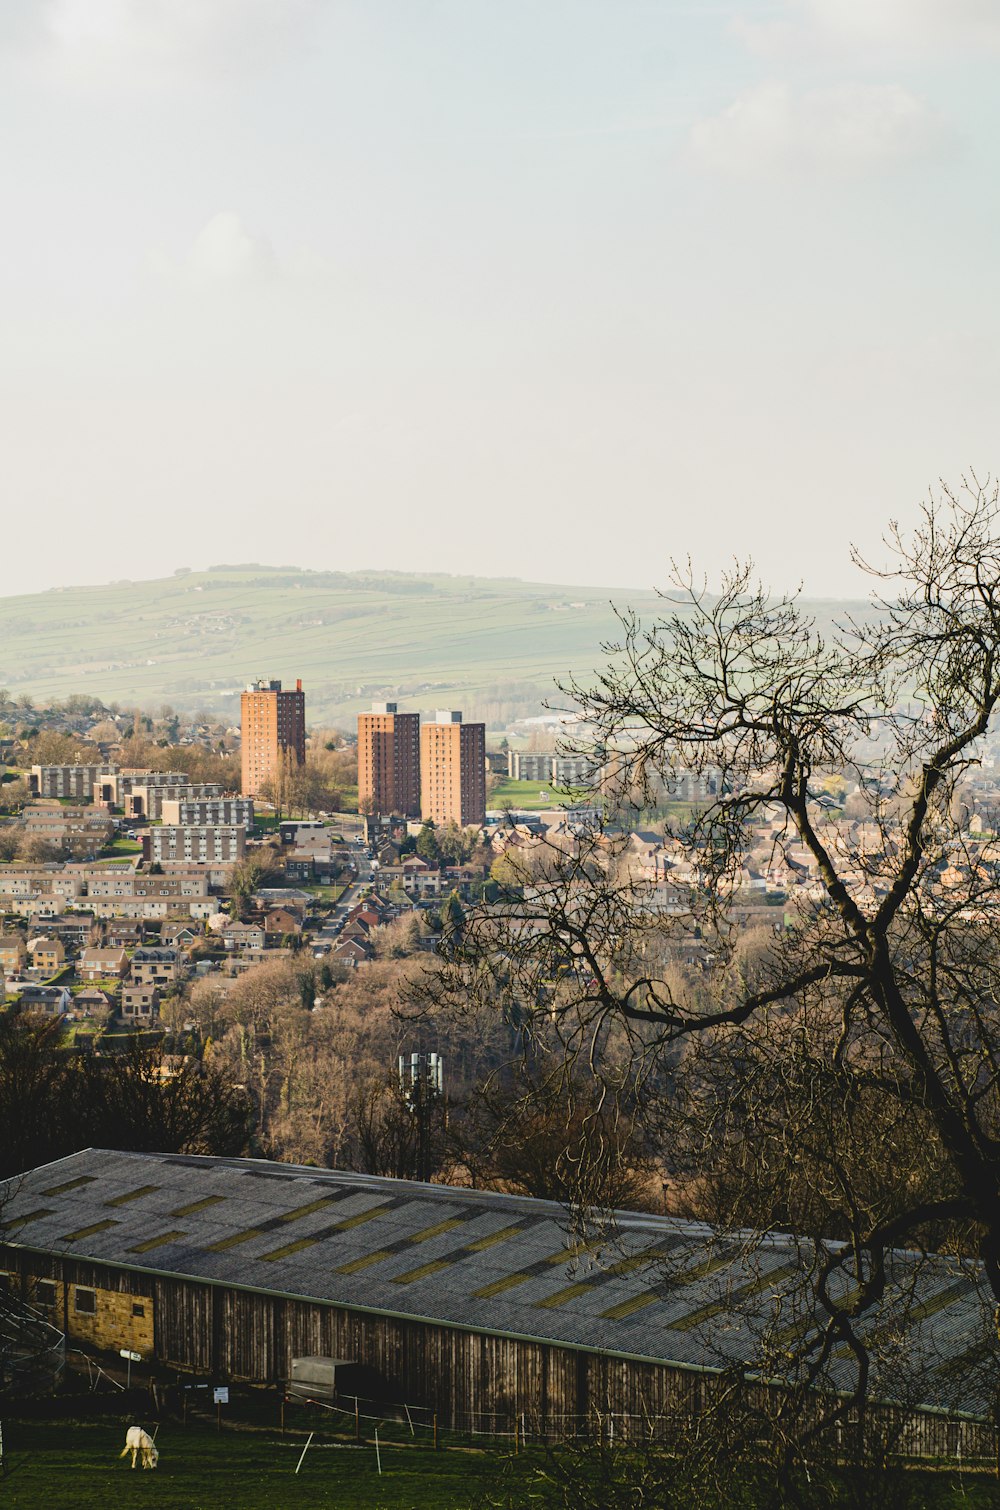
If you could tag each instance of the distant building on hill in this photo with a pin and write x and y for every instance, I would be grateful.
(453, 771)
(273, 725)
(560, 770)
(389, 761)
(529, 765)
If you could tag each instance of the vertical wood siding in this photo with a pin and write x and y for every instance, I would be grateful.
(466, 1377)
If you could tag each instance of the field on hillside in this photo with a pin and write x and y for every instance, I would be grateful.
(197, 639)
(494, 648)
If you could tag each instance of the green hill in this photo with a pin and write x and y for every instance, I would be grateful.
(491, 647)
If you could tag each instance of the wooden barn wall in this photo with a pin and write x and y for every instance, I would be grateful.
(237, 1336)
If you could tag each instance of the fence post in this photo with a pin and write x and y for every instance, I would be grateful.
(378, 1455)
(357, 1421)
(436, 1432)
(304, 1451)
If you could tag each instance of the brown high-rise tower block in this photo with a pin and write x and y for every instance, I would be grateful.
(453, 771)
(274, 731)
(389, 761)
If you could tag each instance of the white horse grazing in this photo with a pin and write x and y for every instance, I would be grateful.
(139, 1442)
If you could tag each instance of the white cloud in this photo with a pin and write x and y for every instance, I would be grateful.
(154, 35)
(850, 128)
(223, 252)
(932, 22)
(896, 26)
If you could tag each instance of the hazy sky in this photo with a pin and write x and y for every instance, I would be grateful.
(555, 288)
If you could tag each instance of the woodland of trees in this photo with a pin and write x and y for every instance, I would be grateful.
(315, 1049)
(318, 785)
(53, 1103)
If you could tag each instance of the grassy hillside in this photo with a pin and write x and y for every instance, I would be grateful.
(194, 640)
(491, 647)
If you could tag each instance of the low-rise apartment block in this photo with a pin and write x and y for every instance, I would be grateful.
(529, 765)
(147, 801)
(201, 844)
(40, 880)
(150, 908)
(186, 811)
(560, 770)
(73, 781)
(54, 821)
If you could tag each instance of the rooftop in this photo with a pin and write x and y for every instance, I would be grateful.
(657, 1288)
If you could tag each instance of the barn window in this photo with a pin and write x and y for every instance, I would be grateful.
(138, 1309)
(45, 1292)
(86, 1302)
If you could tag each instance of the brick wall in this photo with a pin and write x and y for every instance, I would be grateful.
(112, 1325)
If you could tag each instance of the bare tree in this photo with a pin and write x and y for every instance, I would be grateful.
(843, 1080)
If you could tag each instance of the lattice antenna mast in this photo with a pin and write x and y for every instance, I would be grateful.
(421, 1080)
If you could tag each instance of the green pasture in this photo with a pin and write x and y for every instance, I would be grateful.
(75, 1466)
(533, 796)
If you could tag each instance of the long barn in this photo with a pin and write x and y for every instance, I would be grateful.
(468, 1302)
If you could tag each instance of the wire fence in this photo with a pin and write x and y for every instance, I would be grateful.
(338, 1420)
(907, 1440)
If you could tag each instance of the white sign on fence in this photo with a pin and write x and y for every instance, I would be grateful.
(124, 1352)
(220, 1394)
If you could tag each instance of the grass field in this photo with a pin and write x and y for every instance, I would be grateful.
(74, 1466)
(532, 796)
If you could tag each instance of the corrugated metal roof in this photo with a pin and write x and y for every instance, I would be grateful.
(652, 1287)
